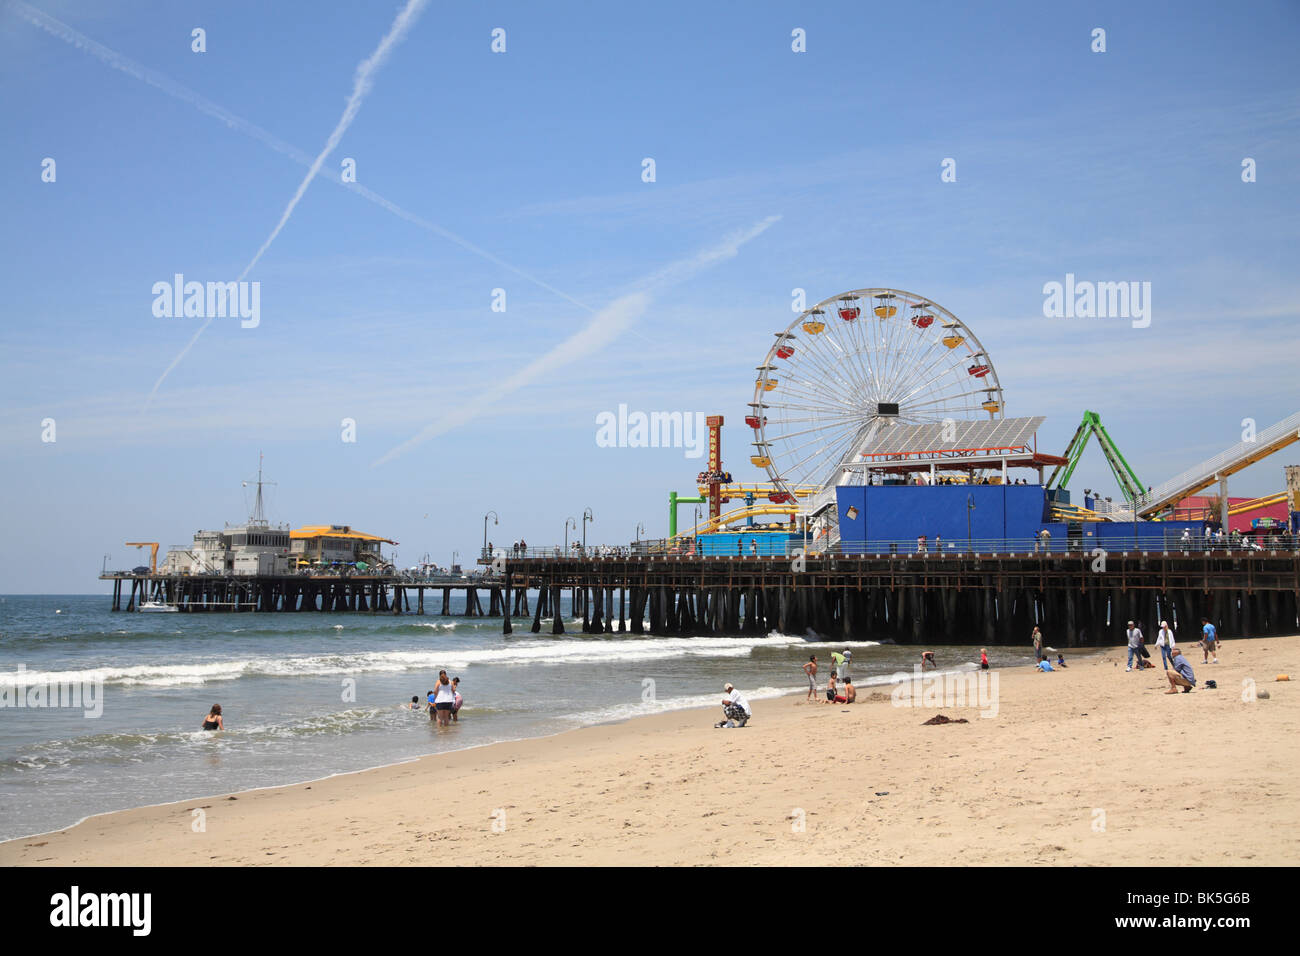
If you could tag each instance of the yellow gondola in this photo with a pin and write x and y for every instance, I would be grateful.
(992, 406)
(760, 461)
(885, 310)
(952, 340)
(767, 383)
(813, 324)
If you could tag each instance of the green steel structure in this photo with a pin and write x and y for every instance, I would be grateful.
(1127, 479)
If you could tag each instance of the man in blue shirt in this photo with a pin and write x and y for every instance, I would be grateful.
(1181, 673)
(1209, 641)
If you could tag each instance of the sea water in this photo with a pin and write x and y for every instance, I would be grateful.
(310, 694)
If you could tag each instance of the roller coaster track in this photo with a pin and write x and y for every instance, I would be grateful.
(1198, 477)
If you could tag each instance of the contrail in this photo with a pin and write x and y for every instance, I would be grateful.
(361, 85)
(178, 91)
(603, 328)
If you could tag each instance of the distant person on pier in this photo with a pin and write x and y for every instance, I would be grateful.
(214, 720)
(811, 670)
(1134, 635)
(1181, 675)
(927, 657)
(1209, 641)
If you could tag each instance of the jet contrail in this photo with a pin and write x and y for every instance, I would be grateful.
(603, 328)
(111, 57)
(165, 84)
(361, 85)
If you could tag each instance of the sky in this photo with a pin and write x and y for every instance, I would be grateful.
(522, 170)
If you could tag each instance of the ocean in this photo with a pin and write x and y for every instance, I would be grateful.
(307, 695)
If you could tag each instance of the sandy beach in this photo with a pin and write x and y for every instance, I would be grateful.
(1090, 766)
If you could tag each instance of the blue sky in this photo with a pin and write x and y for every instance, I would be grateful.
(1123, 165)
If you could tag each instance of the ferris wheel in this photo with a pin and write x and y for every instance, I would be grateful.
(852, 365)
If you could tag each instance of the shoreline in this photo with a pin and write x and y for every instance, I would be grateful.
(671, 789)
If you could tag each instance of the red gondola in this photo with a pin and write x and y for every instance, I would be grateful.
(849, 309)
(753, 421)
(780, 497)
(922, 321)
(784, 350)
(979, 371)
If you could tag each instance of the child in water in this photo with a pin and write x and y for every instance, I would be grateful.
(984, 659)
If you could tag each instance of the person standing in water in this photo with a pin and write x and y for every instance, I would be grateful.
(455, 710)
(811, 670)
(444, 699)
(214, 720)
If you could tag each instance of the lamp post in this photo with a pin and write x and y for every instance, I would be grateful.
(495, 520)
(586, 516)
(569, 523)
(970, 506)
(640, 530)
(454, 556)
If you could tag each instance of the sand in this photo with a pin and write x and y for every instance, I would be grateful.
(1091, 766)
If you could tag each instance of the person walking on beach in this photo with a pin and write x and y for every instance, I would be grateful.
(1038, 644)
(214, 720)
(1165, 641)
(1181, 675)
(1209, 641)
(811, 670)
(1134, 635)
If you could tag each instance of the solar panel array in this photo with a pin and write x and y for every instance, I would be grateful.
(930, 439)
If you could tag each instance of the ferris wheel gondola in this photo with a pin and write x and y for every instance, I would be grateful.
(814, 406)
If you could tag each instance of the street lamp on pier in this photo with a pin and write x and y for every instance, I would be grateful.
(570, 522)
(495, 520)
(586, 516)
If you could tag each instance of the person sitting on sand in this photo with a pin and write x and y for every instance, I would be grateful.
(214, 720)
(850, 692)
(1045, 666)
(1060, 660)
(984, 658)
(1181, 675)
(927, 657)
(811, 670)
(830, 688)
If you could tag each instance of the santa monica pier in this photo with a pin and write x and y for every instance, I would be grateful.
(901, 502)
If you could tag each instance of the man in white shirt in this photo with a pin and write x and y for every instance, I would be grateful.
(735, 707)
(1165, 641)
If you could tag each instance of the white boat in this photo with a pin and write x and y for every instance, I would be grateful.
(157, 607)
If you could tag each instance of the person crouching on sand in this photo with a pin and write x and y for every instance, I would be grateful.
(214, 720)
(1181, 675)
(927, 657)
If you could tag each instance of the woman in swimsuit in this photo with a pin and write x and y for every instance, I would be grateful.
(444, 699)
(214, 720)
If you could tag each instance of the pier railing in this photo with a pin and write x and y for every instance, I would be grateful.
(1170, 543)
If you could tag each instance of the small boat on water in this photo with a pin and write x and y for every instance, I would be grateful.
(157, 607)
